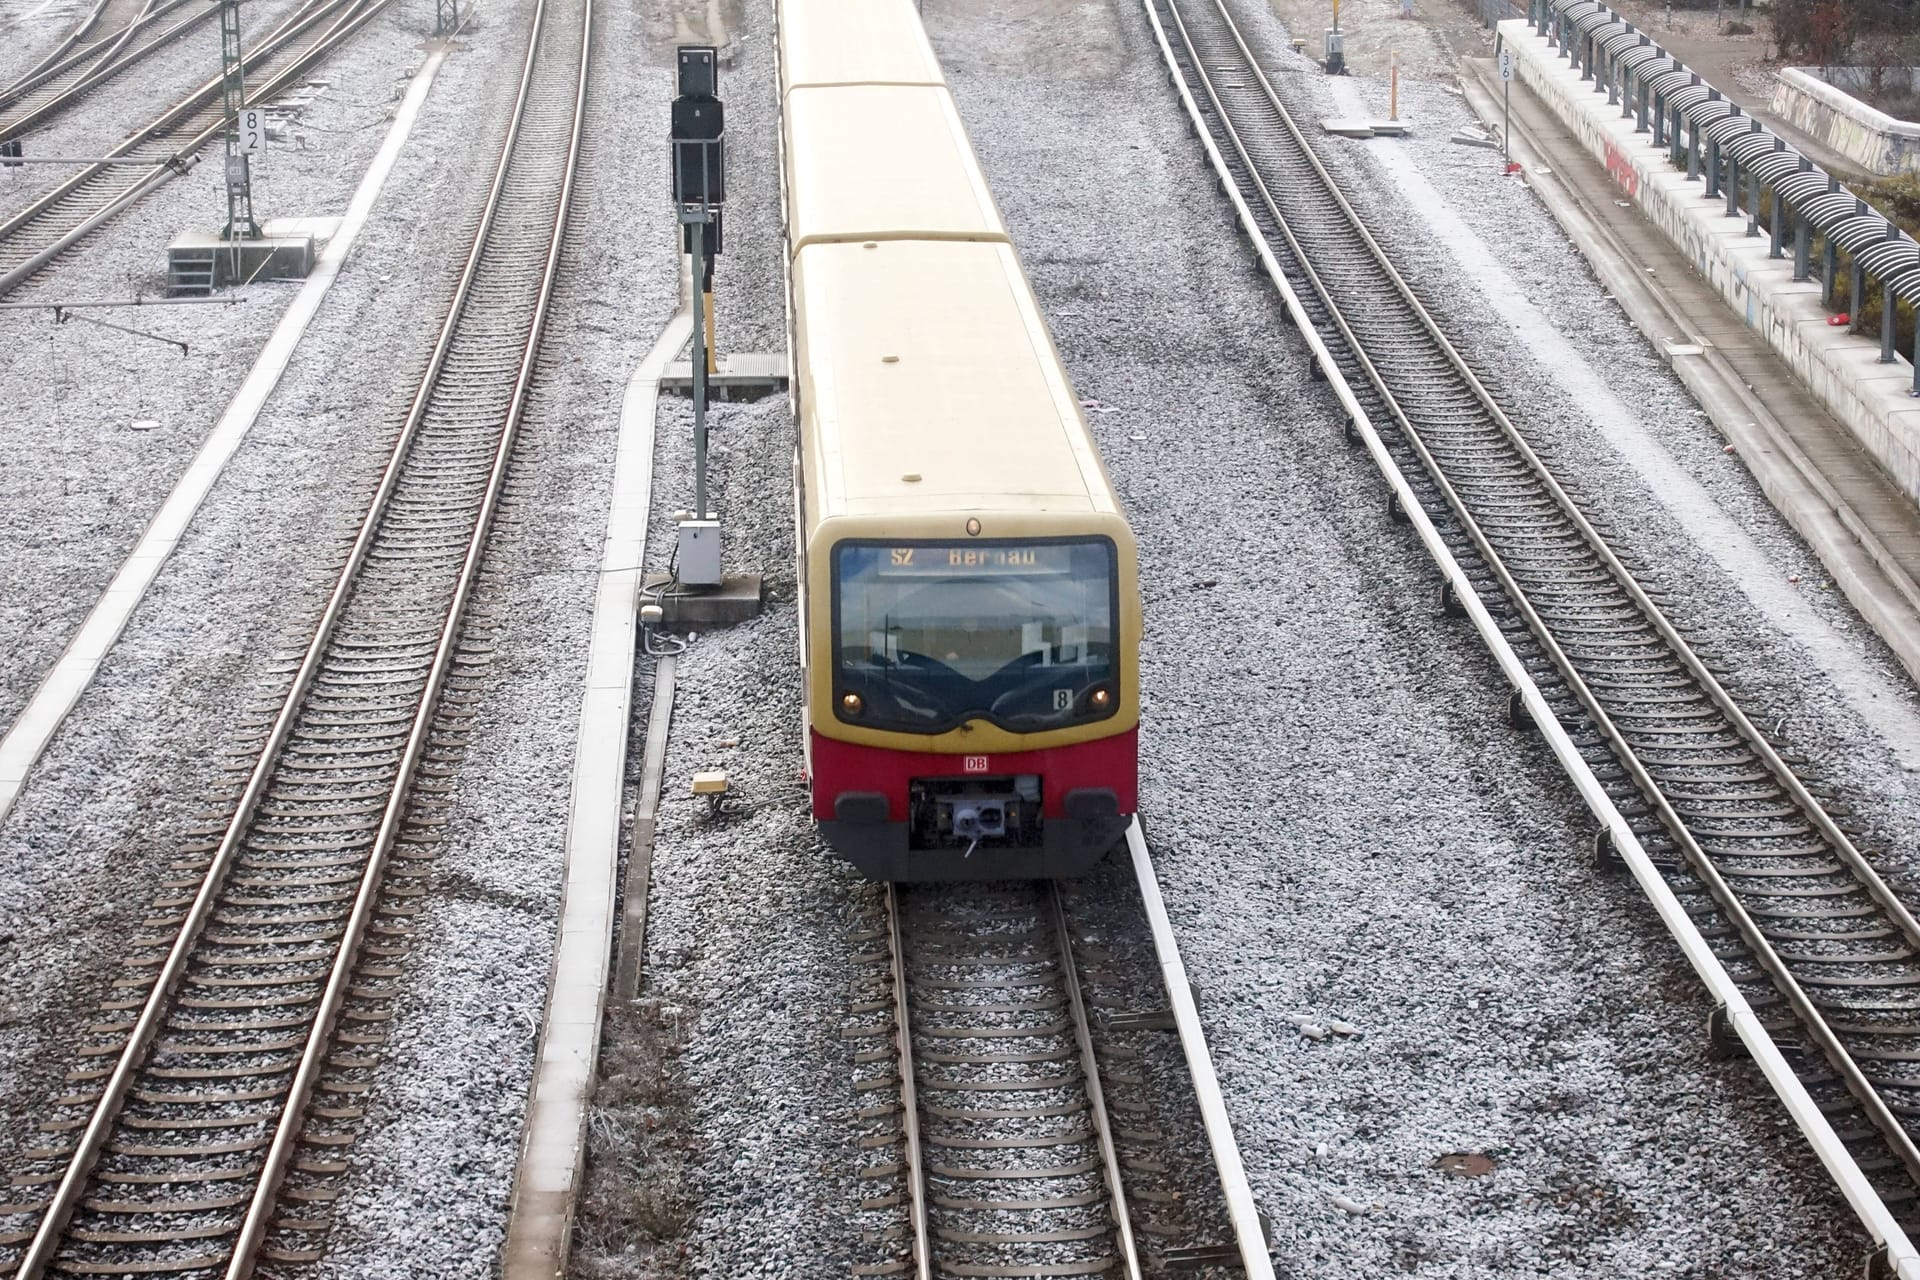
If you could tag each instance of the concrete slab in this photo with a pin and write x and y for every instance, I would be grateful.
(76, 667)
(736, 599)
(240, 261)
(1860, 523)
(1348, 128)
(318, 229)
(741, 375)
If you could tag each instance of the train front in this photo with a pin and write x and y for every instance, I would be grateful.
(973, 693)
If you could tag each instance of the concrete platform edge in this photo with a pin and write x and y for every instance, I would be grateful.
(1866, 573)
(739, 596)
(76, 667)
(1841, 368)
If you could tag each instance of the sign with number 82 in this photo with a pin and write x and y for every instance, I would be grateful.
(253, 130)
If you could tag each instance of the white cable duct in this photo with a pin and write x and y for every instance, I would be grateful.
(1248, 1232)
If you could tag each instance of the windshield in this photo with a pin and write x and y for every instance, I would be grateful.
(930, 634)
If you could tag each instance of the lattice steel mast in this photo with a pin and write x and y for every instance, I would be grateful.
(233, 98)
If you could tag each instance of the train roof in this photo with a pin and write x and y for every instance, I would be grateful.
(883, 163)
(928, 383)
(828, 42)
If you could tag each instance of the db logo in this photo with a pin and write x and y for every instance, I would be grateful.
(975, 764)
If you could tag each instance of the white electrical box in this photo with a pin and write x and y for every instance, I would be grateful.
(697, 563)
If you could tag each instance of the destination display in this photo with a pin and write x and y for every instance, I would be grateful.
(968, 559)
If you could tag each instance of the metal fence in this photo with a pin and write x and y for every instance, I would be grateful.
(1492, 11)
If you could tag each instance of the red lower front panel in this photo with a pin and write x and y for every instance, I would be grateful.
(1112, 763)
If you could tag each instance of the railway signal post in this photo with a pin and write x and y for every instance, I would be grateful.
(699, 189)
(699, 167)
(699, 192)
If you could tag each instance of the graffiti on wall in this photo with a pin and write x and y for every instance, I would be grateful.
(1620, 169)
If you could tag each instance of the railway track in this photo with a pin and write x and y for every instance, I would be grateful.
(210, 1115)
(107, 17)
(1009, 1152)
(60, 217)
(1816, 941)
(1030, 1136)
(80, 66)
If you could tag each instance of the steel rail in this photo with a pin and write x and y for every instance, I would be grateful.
(102, 52)
(912, 1155)
(107, 61)
(60, 50)
(355, 14)
(1808, 1115)
(1096, 1097)
(72, 1185)
(1042, 910)
(184, 109)
(1701, 863)
(259, 1213)
(1723, 701)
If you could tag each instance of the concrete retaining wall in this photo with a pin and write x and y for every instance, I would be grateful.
(1842, 369)
(1816, 101)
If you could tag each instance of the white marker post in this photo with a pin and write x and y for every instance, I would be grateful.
(1506, 105)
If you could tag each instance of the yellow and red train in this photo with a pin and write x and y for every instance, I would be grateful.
(970, 616)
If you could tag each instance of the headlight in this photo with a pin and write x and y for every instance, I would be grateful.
(851, 704)
(1100, 699)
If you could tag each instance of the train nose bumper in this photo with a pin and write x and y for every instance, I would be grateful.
(983, 812)
(1072, 843)
(1093, 825)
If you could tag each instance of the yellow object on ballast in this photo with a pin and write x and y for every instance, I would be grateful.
(713, 783)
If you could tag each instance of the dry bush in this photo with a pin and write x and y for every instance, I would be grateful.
(635, 1208)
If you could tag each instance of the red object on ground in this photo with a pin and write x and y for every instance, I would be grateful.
(1513, 167)
(1842, 318)
(1113, 763)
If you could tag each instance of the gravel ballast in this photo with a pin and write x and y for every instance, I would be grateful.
(461, 1057)
(750, 921)
(107, 421)
(105, 812)
(1345, 828)
(1372, 844)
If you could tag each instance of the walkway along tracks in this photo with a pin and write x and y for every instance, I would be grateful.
(1815, 938)
(254, 1026)
(34, 236)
